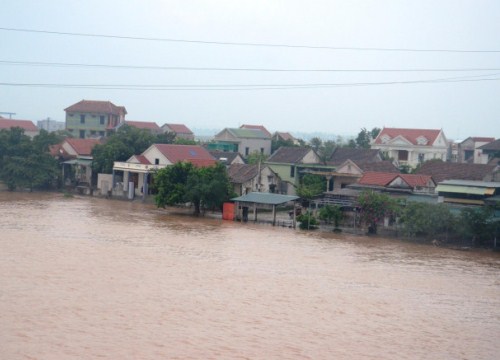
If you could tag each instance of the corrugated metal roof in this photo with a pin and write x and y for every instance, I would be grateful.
(266, 198)
(461, 189)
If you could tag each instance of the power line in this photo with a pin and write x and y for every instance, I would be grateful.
(234, 87)
(187, 68)
(243, 43)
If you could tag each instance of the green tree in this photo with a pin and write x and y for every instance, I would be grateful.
(25, 163)
(206, 187)
(375, 207)
(479, 225)
(326, 150)
(310, 186)
(276, 144)
(120, 146)
(255, 157)
(329, 213)
(170, 184)
(316, 143)
(428, 220)
(307, 221)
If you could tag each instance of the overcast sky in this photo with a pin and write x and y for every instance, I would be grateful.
(466, 104)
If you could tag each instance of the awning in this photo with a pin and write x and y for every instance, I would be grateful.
(473, 190)
(84, 162)
(265, 198)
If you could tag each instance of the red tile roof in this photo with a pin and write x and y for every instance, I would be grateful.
(415, 180)
(27, 125)
(148, 125)
(83, 146)
(384, 179)
(194, 154)
(409, 134)
(377, 178)
(256, 127)
(142, 159)
(96, 106)
(179, 128)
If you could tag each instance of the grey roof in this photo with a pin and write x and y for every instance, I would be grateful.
(492, 146)
(228, 155)
(241, 173)
(488, 184)
(289, 155)
(248, 133)
(265, 198)
(440, 170)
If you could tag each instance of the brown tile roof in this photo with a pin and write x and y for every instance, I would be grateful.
(380, 166)
(415, 180)
(409, 134)
(96, 106)
(493, 146)
(83, 147)
(27, 125)
(285, 135)
(194, 154)
(148, 125)
(142, 159)
(289, 155)
(455, 171)
(377, 178)
(241, 173)
(358, 156)
(256, 127)
(482, 139)
(179, 128)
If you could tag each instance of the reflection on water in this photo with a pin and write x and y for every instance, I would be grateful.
(94, 278)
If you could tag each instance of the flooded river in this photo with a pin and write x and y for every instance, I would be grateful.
(88, 278)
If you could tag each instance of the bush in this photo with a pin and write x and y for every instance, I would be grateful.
(307, 221)
(427, 220)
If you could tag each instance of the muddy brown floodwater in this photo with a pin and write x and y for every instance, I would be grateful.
(88, 278)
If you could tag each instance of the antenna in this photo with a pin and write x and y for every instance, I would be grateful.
(8, 113)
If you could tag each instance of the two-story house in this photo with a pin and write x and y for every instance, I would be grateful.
(469, 150)
(244, 141)
(91, 118)
(181, 131)
(410, 147)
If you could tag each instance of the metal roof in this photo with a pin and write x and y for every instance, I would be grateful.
(488, 184)
(265, 198)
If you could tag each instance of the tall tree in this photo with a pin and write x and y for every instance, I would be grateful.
(375, 207)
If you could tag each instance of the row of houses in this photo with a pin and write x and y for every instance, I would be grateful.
(346, 171)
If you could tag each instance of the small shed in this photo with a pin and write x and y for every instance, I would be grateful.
(256, 200)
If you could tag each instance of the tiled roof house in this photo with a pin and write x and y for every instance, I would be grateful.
(180, 131)
(29, 128)
(93, 118)
(441, 171)
(411, 147)
(145, 125)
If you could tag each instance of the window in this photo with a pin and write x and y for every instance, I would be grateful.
(247, 151)
(82, 119)
(262, 150)
(292, 171)
(157, 161)
(403, 155)
(101, 119)
(421, 158)
(82, 134)
(101, 133)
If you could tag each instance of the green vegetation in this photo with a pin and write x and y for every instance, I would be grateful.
(375, 207)
(307, 221)
(329, 213)
(256, 157)
(205, 188)
(120, 146)
(26, 163)
(427, 220)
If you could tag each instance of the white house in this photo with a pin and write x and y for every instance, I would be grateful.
(411, 147)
